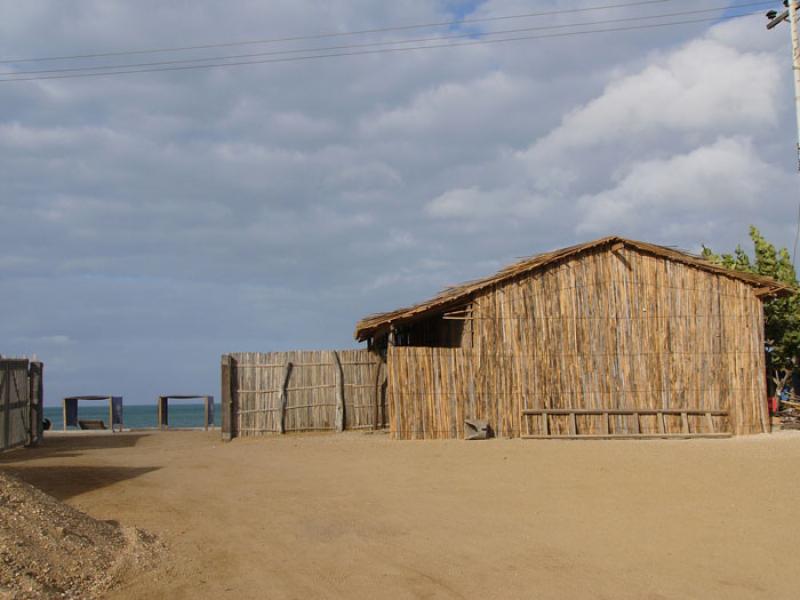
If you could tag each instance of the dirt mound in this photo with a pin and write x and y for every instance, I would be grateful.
(51, 550)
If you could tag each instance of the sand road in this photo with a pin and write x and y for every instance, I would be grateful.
(360, 516)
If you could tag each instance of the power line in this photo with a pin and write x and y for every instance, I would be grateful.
(377, 51)
(378, 44)
(325, 35)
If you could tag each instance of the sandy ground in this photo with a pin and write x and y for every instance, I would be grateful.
(360, 516)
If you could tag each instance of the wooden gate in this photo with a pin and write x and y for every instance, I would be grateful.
(20, 402)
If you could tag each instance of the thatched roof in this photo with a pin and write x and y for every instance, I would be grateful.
(456, 295)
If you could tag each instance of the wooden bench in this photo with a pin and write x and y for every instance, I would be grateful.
(91, 424)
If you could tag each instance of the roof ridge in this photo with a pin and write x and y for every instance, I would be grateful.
(450, 294)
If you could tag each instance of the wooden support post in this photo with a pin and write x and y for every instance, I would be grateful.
(284, 397)
(710, 422)
(161, 413)
(36, 391)
(573, 424)
(545, 424)
(662, 426)
(227, 391)
(684, 422)
(339, 376)
(606, 427)
(376, 418)
(636, 423)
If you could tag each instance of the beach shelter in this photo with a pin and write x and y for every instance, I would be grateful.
(70, 408)
(163, 409)
(613, 338)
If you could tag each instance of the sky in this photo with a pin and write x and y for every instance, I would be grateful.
(152, 222)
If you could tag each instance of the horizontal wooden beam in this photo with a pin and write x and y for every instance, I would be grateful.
(624, 436)
(620, 411)
(769, 291)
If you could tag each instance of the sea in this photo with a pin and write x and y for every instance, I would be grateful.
(182, 415)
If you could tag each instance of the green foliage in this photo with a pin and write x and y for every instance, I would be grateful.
(782, 315)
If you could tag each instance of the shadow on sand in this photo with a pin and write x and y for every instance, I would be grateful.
(65, 482)
(66, 446)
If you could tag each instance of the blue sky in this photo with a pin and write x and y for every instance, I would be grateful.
(153, 222)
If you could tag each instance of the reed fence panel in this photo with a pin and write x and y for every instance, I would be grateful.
(276, 392)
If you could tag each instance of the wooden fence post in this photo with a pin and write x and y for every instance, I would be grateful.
(36, 396)
(339, 420)
(284, 397)
(226, 396)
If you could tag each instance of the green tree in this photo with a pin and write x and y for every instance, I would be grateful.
(781, 314)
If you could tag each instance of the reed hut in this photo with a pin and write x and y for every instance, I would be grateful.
(611, 338)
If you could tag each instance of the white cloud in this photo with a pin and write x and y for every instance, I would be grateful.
(686, 191)
(706, 86)
(475, 204)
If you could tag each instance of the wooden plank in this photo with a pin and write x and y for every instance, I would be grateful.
(545, 424)
(684, 422)
(710, 422)
(627, 411)
(339, 375)
(636, 423)
(606, 428)
(662, 426)
(291, 389)
(766, 291)
(279, 365)
(622, 436)
(573, 425)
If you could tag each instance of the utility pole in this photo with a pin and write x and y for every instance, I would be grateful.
(790, 14)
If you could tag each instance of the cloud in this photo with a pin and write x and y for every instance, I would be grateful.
(706, 86)
(473, 203)
(683, 194)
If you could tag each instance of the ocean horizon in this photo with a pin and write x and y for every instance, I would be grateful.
(182, 415)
